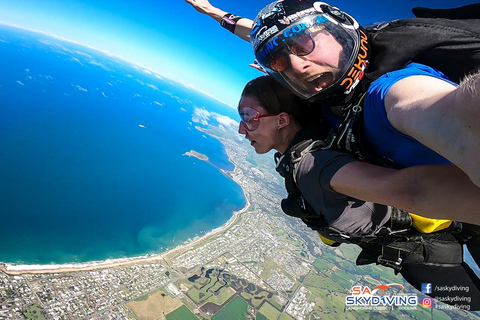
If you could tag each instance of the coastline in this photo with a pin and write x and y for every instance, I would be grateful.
(12, 269)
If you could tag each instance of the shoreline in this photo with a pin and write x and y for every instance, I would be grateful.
(13, 269)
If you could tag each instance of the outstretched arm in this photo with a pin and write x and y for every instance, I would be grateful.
(242, 27)
(435, 191)
(441, 116)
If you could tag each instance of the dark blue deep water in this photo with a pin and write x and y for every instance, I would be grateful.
(91, 156)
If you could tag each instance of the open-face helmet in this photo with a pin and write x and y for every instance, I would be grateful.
(315, 49)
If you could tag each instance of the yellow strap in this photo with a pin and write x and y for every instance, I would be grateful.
(422, 224)
(427, 225)
(326, 240)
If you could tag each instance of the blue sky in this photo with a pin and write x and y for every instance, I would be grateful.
(170, 37)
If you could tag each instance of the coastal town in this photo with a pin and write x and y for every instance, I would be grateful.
(260, 265)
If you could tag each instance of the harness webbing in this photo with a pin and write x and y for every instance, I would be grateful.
(348, 137)
(397, 242)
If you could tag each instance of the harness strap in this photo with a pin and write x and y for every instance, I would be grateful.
(348, 137)
(465, 231)
(297, 155)
(295, 205)
(439, 249)
(348, 129)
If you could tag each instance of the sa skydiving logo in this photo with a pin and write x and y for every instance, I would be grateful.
(382, 295)
(357, 290)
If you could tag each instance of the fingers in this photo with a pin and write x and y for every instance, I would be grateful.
(255, 65)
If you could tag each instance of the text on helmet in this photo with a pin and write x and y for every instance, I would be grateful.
(358, 69)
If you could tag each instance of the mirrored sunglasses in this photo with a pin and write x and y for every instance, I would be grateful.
(251, 117)
(300, 45)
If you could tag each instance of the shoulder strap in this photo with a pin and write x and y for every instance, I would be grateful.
(295, 204)
(451, 46)
(348, 137)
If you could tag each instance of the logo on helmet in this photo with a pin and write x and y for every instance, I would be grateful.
(298, 15)
(265, 35)
(357, 71)
(260, 30)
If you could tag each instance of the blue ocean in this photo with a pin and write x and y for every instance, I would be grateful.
(92, 156)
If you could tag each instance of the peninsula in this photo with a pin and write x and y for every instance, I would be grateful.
(198, 155)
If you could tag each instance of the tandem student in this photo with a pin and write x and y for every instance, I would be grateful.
(414, 115)
(346, 200)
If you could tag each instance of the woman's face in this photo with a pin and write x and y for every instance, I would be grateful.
(264, 137)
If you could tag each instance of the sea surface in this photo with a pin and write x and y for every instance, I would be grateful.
(92, 162)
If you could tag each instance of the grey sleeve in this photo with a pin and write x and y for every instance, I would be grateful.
(345, 213)
(320, 166)
(313, 174)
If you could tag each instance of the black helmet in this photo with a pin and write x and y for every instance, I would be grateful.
(329, 47)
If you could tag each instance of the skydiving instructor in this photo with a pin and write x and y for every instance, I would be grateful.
(436, 92)
(412, 116)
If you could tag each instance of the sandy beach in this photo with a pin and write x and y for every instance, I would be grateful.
(94, 265)
(12, 269)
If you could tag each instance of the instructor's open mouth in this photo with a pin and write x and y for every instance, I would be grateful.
(321, 81)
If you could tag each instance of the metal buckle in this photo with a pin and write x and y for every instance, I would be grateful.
(383, 261)
(390, 262)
